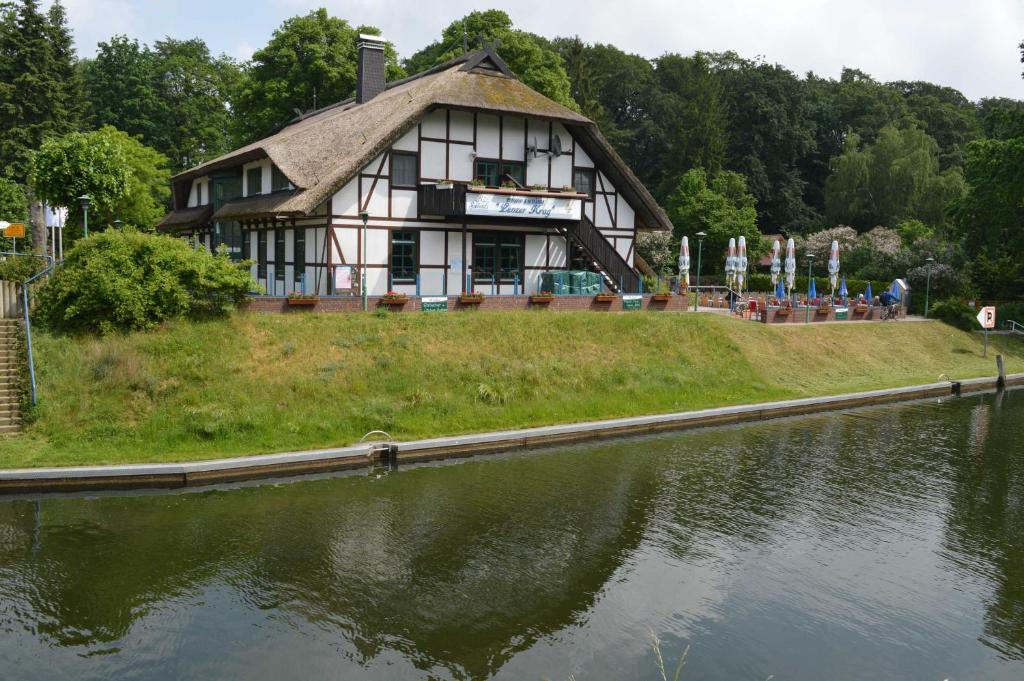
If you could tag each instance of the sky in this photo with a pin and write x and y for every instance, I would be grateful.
(967, 44)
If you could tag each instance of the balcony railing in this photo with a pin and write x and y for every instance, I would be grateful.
(443, 200)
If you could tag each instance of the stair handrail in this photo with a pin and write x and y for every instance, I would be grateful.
(28, 325)
(611, 259)
(1015, 326)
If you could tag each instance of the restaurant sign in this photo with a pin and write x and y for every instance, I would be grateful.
(434, 303)
(523, 206)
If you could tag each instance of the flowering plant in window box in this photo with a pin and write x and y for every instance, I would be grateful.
(394, 298)
(542, 298)
(476, 182)
(605, 297)
(538, 188)
(509, 184)
(296, 298)
(860, 307)
(568, 189)
(444, 184)
(471, 298)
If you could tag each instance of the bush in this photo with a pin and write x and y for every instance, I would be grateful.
(126, 280)
(955, 313)
(1007, 311)
(20, 267)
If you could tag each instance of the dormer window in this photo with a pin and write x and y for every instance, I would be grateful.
(278, 181)
(254, 181)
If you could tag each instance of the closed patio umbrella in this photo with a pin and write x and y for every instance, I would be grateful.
(833, 266)
(741, 265)
(867, 293)
(843, 292)
(776, 263)
(684, 264)
(730, 264)
(790, 265)
(812, 291)
(780, 290)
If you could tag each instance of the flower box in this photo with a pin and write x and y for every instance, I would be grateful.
(861, 309)
(783, 312)
(471, 298)
(605, 297)
(542, 298)
(662, 297)
(823, 309)
(392, 298)
(303, 300)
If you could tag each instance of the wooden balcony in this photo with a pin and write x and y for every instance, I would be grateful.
(445, 202)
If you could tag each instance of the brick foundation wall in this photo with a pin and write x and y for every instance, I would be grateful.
(560, 303)
(799, 316)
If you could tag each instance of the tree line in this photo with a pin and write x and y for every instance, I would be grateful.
(729, 145)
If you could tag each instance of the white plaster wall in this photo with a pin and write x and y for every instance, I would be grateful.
(457, 270)
(602, 217)
(376, 281)
(538, 131)
(513, 140)
(346, 199)
(432, 160)
(537, 169)
(289, 245)
(626, 214)
(535, 254)
(409, 141)
(487, 136)
(622, 246)
(377, 246)
(556, 252)
(431, 282)
(561, 170)
(431, 248)
(403, 203)
(348, 237)
(460, 162)
(461, 125)
(378, 205)
(532, 283)
(434, 124)
(582, 160)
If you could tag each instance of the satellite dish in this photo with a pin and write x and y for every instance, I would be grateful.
(556, 146)
(531, 149)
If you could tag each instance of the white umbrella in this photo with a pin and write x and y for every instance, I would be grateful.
(730, 264)
(684, 263)
(776, 263)
(833, 266)
(741, 265)
(790, 265)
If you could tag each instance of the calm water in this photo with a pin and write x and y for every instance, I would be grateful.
(873, 544)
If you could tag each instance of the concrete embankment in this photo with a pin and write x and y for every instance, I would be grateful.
(176, 475)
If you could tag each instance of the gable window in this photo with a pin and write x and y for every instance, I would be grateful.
(583, 180)
(487, 172)
(513, 171)
(404, 257)
(254, 181)
(403, 170)
(278, 181)
(199, 193)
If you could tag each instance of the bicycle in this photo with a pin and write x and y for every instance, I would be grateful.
(891, 312)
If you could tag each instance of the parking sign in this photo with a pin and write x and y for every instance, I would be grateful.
(987, 317)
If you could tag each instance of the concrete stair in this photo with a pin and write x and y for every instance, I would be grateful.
(10, 377)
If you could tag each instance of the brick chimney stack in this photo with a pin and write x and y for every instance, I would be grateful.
(370, 78)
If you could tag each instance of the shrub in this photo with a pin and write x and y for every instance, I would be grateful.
(1007, 311)
(20, 267)
(126, 280)
(955, 313)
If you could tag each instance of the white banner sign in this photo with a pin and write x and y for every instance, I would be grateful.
(522, 206)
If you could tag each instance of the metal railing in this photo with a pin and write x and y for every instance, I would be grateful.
(1015, 326)
(28, 324)
(615, 268)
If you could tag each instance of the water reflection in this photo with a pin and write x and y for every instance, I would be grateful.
(881, 542)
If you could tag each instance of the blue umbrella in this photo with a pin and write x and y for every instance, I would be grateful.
(780, 290)
(867, 293)
(895, 291)
(812, 291)
(843, 292)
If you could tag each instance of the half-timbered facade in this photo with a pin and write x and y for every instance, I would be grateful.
(460, 178)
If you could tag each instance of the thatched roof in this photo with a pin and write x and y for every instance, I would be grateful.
(320, 152)
(186, 219)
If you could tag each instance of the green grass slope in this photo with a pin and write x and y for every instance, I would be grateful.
(263, 383)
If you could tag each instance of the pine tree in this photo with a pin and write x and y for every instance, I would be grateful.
(72, 95)
(36, 91)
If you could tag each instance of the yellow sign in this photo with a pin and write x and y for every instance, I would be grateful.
(15, 230)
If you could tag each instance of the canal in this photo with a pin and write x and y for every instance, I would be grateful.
(879, 543)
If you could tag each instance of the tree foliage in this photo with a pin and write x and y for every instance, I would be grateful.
(309, 62)
(127, 281)
(721, 207)
(895, 179)
(126, 180)
(532, 58)
(990, 216)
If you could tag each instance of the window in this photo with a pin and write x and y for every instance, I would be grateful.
(246, 245)
(499, 256)
(404, 257)
(300, 255)
(516, 171)
(279, 254)
(199, 193)
(278, 181)
(583, 180)
(261, 255)
(487, 172)
(403, 170)
(254, 181)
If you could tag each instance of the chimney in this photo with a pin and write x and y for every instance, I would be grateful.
(370, 71)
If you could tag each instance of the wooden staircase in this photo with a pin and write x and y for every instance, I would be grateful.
(10, 377)
(593, 245)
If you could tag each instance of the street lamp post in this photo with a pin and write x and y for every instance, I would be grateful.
(84, 200)
(928, 284)
(807, 307)
(362, 287)
(118, 224)
(700, 250)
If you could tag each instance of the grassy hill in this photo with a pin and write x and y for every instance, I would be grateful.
(255, 384)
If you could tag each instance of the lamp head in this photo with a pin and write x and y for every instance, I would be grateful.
(364, 216)
(929, 260)
(702, 234)
(84, 200)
